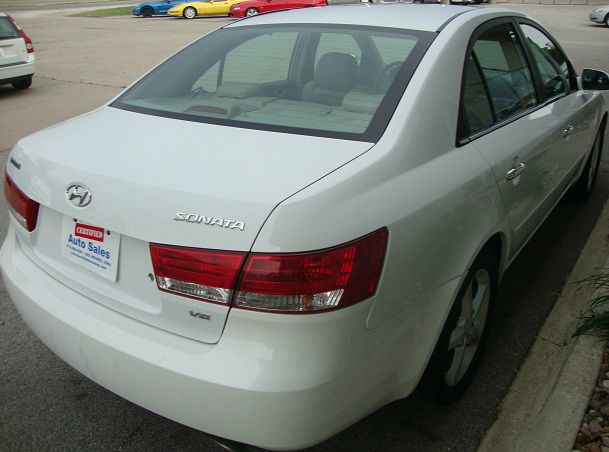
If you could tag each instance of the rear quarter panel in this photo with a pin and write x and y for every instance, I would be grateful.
(439, 202)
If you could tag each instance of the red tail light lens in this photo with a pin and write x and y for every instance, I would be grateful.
(28, 42)
(24, 209)
(283, 283)
(208, 275)
(307, 282)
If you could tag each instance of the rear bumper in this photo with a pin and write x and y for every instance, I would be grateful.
(16, 72)
(276, 383)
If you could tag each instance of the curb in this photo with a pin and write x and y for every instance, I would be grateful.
(543, 408)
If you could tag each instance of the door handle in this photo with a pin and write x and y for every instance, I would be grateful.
(568, 132)
(515, 172)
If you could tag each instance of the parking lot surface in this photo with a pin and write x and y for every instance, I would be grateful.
(84, 62)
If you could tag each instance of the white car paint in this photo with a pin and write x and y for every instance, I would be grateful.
(284, 381)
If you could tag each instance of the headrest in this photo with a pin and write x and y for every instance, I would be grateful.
(336, 71)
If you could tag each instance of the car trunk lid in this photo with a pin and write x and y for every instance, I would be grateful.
(158, 180)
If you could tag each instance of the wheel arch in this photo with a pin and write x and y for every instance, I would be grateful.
(498, 245)
(603, 125)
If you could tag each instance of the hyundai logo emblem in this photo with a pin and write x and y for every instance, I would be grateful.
(78, 195)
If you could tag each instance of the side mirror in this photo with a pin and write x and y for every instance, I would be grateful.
(594, 79)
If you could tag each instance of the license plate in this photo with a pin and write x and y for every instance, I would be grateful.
(91, 247)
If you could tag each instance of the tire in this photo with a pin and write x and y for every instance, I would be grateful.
(251, 12)
(607, 20)
(189, 13)
(23, 84)
(147, 11)
(584, 187)
(462, 340)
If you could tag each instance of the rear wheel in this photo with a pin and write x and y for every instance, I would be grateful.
(147, 11)
(607, 20)
(189, 13)
(584, 186)
(463, 337)
(251, 12)
(23, 84)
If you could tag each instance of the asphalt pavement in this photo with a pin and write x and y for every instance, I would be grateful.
(84, 62)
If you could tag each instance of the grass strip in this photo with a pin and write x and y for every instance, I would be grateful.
(105, 12)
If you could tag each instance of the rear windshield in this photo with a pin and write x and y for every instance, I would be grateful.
(333, 81)
(7, 29)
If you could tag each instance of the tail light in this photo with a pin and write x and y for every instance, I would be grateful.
(28, 42)
(285, 283)
(208, 275)
(24, 209)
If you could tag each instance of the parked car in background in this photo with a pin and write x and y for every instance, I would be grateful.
(17, 57)
(322, 224)
(600, 15)
(190, 10)
(149, 9)
(253, 7)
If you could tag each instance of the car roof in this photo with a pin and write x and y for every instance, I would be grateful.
(393, 15)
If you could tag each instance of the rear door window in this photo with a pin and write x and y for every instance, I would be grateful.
(505, 71)
(497, 80)
(551, 64)
(477, 112)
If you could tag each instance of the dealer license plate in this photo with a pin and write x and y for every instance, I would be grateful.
(91, 247)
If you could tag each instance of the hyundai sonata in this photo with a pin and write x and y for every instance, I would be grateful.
(324, 219)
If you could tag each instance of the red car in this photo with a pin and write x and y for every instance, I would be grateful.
(253, 7)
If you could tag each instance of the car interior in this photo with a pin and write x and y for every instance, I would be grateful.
(322, 80)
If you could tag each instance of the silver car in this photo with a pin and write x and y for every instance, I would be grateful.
(299, 217)
(600, 15)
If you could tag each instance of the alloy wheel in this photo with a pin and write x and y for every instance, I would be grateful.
(465, 338)
(190, 13)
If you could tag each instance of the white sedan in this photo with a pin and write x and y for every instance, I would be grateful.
(288, 223)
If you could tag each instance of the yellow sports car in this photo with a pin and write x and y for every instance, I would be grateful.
(190, 10)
